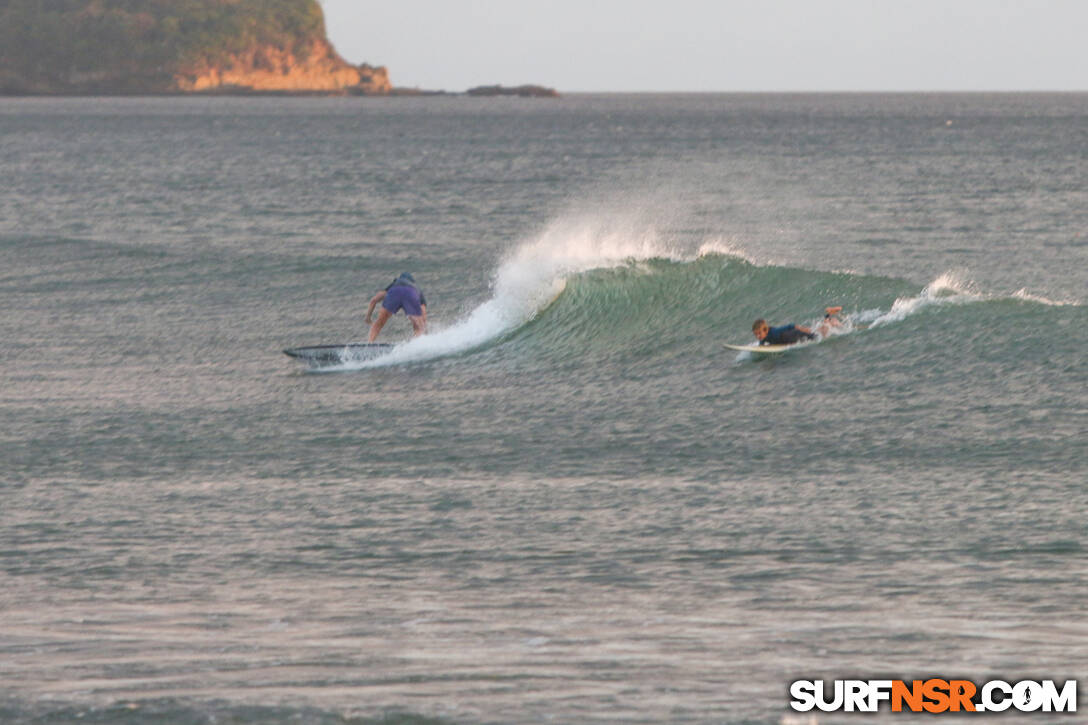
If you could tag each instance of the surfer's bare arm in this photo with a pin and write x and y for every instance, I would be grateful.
(374, 303)
(831, 320)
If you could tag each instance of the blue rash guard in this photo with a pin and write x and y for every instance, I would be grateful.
(786, 335)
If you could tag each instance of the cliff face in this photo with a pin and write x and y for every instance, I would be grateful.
(174, 46)
(272, 69)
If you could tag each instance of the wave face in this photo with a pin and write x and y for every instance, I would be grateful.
(587, 286)
(529, 279)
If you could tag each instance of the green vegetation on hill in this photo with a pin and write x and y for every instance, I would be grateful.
(59, 45)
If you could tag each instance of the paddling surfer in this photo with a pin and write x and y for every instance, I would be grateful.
(402, 294)
(792, 334)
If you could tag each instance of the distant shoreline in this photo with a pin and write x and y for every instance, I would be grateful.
(242, 92)
(419, 93)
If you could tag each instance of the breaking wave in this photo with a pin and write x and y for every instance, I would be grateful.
(609, 284)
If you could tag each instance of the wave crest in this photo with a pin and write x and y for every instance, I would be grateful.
(634, 287)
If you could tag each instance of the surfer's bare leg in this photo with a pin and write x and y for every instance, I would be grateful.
(379, 323)
(419, 325)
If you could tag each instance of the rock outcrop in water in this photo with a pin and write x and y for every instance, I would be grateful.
(174, 46)
(523, 91)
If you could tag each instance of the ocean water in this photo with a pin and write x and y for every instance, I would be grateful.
(568, 503)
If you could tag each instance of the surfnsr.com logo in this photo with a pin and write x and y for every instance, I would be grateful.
(933, 696)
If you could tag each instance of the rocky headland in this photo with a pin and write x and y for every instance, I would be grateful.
(153, 47)
(174, 46)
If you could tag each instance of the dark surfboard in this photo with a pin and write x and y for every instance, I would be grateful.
(339, 354)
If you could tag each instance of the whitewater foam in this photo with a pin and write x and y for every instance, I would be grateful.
(948, 288)
(719, 246)
(1023, 294)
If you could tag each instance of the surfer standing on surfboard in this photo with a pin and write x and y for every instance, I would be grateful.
(790, 334)
(402, 294)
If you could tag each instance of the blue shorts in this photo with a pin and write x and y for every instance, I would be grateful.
(402, 297)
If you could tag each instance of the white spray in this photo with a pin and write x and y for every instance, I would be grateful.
(530, 278)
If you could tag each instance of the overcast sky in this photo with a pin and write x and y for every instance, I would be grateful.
(719, 45)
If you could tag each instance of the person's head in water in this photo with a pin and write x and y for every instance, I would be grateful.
(407, 277)
(760, 328)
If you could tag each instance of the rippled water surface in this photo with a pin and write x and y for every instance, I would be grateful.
(569, 502)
